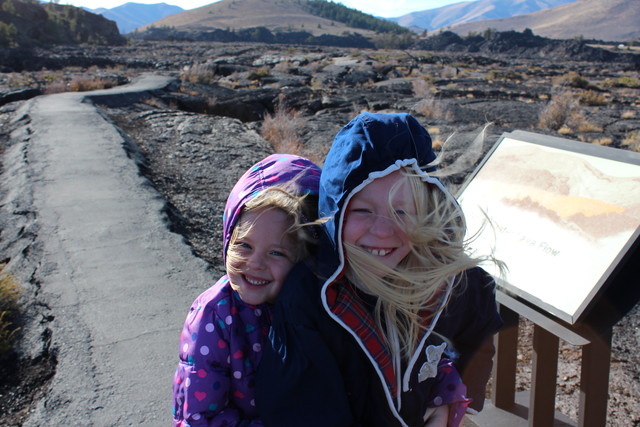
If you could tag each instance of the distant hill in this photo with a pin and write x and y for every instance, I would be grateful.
(608, 20)
(29, 22)
(130, 16)
(469, 11)
(317, 22)
(275, 15)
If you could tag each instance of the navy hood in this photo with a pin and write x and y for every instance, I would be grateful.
(370, 146)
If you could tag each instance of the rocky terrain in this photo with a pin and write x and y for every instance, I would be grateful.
(303, 96)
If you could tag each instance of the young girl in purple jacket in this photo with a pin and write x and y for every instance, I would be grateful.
(266, 232)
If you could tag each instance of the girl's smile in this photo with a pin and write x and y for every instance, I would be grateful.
(370, 224)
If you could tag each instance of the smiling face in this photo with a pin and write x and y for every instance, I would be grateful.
(369, 223)
(260, 255)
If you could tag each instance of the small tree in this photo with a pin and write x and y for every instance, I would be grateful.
(8, 34)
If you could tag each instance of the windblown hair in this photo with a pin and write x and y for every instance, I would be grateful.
(410, 292)
(301, 210)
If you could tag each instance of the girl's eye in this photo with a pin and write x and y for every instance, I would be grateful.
(361, 211)
(400, 212)
(243, 245)
(278, 253)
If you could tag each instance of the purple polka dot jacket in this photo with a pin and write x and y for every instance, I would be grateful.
(222, 338)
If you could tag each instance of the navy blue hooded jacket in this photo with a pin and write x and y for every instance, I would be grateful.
(318, 370)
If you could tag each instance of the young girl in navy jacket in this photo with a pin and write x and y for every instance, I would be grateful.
(375, 330)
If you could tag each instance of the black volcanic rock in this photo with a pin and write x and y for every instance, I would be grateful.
(521, 45)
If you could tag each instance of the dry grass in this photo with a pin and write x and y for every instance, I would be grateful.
(83, 84)
(57, 86)
(9, 295)
(573, 79)
(429, 106)
(20, 80)
(65, 80)
(493, 75)
(622, 81)
(198, 74)
(558, 111)
(260, 73)
(606, 141)
(592, 98)
(282, 129)
(632, 140)
(586, 126)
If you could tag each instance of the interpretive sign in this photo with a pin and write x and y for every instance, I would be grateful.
(561, 214)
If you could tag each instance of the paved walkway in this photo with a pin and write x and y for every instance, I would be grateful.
(117, 281)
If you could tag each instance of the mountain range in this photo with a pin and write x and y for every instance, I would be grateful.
(611, 20)
(469, 11)
(130, 16)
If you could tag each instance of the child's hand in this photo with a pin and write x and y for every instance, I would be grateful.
(437, 417)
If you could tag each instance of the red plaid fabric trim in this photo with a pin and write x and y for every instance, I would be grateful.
(345, 304)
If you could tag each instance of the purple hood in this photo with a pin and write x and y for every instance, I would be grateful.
(277, 169)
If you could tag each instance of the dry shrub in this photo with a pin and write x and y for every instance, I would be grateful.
(317, 153)
(259, 74)
(422, 88)
(19, 80)
(429, 105)
(559, 109)
(573, 79)
(578, 122)
(434, 130)
(628, 114)
(605, 140)
(622, 81)
(9, 295)
(586, 126)
(565, 130)
(83, 84)
(58, 86)
(632, 140)
(592, 98)
(437, 143)
(503, 75)
(198, 74)
(281, 129)
(432, 108)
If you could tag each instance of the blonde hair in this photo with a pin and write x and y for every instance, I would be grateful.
(411, 290)
(301, 210)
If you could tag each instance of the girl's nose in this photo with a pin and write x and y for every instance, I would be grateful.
(255, 261)
(382, 226)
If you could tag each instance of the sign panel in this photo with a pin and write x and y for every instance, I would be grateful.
(561, 214)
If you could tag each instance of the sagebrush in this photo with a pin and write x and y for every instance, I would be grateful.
(9, 296)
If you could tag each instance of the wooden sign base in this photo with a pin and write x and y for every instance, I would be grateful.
(536, 408)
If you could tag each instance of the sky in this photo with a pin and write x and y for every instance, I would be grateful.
(383, 8)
